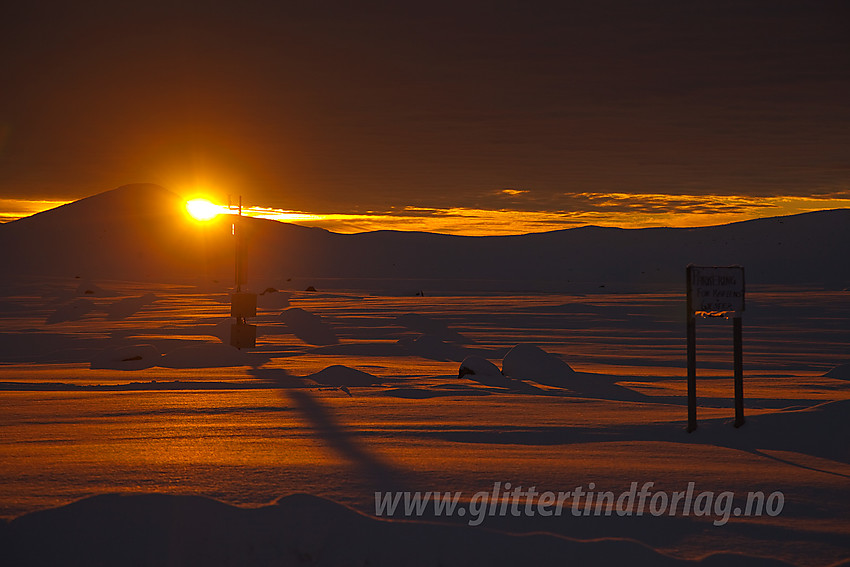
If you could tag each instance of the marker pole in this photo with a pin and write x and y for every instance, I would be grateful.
(692, 358)
(739, 370)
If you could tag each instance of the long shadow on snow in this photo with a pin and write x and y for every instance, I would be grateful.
(343, 440)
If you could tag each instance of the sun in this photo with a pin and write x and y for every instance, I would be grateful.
(201, 209)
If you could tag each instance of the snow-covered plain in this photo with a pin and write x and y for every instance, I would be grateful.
(131, 433)
(273, 456)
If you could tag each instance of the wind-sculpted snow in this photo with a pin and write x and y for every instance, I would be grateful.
(91, 289)
(132, 357)
(195, 354)
(73, 311)
(158, 529)
(128, 306)
(530, 362)
(339, 375)
(841, 372)
(429, 346)
(481, 370)
(272, 299)
(591, 389)
(309, 327)
(429, 326)
(210, 355)
(800, 430)
(81, 306)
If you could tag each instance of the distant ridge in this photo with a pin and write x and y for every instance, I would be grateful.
(141, 199)
(135, 231)
(141, 232)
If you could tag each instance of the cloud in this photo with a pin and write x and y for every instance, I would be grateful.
(625, 210)
(619, 209)
(14, 209)
(667, 204)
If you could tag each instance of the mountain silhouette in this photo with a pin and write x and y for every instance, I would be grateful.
(142, 232)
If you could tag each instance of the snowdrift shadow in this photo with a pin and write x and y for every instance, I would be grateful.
(158, 529)
(810, 431)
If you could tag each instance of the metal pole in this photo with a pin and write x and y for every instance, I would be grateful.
(692, 358)
(692, 373)
(237, 233)
(739, 370)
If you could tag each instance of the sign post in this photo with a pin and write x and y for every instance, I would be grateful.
(738, 357)
(715, 291)
(243, 305)
(692, 363)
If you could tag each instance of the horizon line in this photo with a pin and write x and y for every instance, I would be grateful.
(613, 210)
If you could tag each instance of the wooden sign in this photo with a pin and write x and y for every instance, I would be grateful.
(715, 290)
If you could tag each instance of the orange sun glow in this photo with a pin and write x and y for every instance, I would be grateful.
(202, 210)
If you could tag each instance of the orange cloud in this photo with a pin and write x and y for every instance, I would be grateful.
(625, 210)
(14, 209)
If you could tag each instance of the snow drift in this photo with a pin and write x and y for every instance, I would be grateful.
(157, 529)
(481, 370)
(309, 327)
(530, 362)
(339, 375)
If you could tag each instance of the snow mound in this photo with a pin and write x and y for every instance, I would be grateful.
(339, 375)
(429, 326)
(429, 346)
(530, 362)
(310, 328)
(128, 306)
(73, 311)
(481, 370)
(93, 290)
(210, 355)
(840, 372)
(818, 430)
(160, 529)
(133, 357)
(273, 299)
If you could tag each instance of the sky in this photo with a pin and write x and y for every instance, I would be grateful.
(458, 117)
